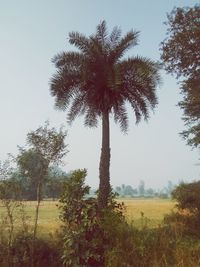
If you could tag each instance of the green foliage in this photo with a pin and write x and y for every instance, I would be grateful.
(47, 252)
(81, 229)
(10, 196)
(93, 238)
(191, 107)
(180, 50)
(16, 237)
(46, 146)
(48, 142)
(188, 203)
(52, 186)
(32, 164)
(54, 182)
(10, 190)
(10, 200)
(87, 231)
(5, 169)
(180, 54)
(188, 197)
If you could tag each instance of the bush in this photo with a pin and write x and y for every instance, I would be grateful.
(46, 252)
(20, 255)
(188, 197)
(87, 231)
(188, 204)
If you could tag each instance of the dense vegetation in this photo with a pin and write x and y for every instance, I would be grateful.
(94, 230)
(87, 239)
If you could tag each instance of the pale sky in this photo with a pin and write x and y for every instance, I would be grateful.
(32, 32)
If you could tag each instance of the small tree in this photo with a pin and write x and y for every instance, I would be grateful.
(87, 235)
(35, 167)
(83, 236)
(47, 147)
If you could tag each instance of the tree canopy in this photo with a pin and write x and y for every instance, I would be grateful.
(46, 146)
(181, 55)
(181, 48)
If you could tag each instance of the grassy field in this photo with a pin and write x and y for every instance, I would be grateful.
(147, 211)
(153, 211)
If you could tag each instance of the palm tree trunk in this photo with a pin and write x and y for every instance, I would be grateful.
(104, 167)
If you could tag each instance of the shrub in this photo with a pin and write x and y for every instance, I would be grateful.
(87, 232)
(46, 253)
(188, 204)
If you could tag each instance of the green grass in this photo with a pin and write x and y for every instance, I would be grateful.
(153, 212)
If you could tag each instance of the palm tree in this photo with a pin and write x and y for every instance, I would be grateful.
(98, 82)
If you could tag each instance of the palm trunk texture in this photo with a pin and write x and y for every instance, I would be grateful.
(104, 167)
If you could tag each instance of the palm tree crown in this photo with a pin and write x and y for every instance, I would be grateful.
(97, 81)
(98, 78)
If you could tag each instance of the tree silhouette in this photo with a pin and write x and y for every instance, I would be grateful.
(97, 82)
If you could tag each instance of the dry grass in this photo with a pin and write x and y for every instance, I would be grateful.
(147, 211)
(153, 211)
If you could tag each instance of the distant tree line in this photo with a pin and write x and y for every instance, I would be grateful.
(142, 191)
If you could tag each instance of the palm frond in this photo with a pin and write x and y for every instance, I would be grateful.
(64, 85)
(80, 41)
(140, 78)
(77, 107)
(58, 91)
(101, 33)
(91, 117)
(121, 117)
(68, 59)
(96, 78)
(115, 37)
(128, 41)
(141, 108)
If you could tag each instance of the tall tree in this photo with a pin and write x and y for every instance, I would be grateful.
(97, 81)
(181, 55)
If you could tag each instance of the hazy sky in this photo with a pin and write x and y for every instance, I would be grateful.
(32, 32)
